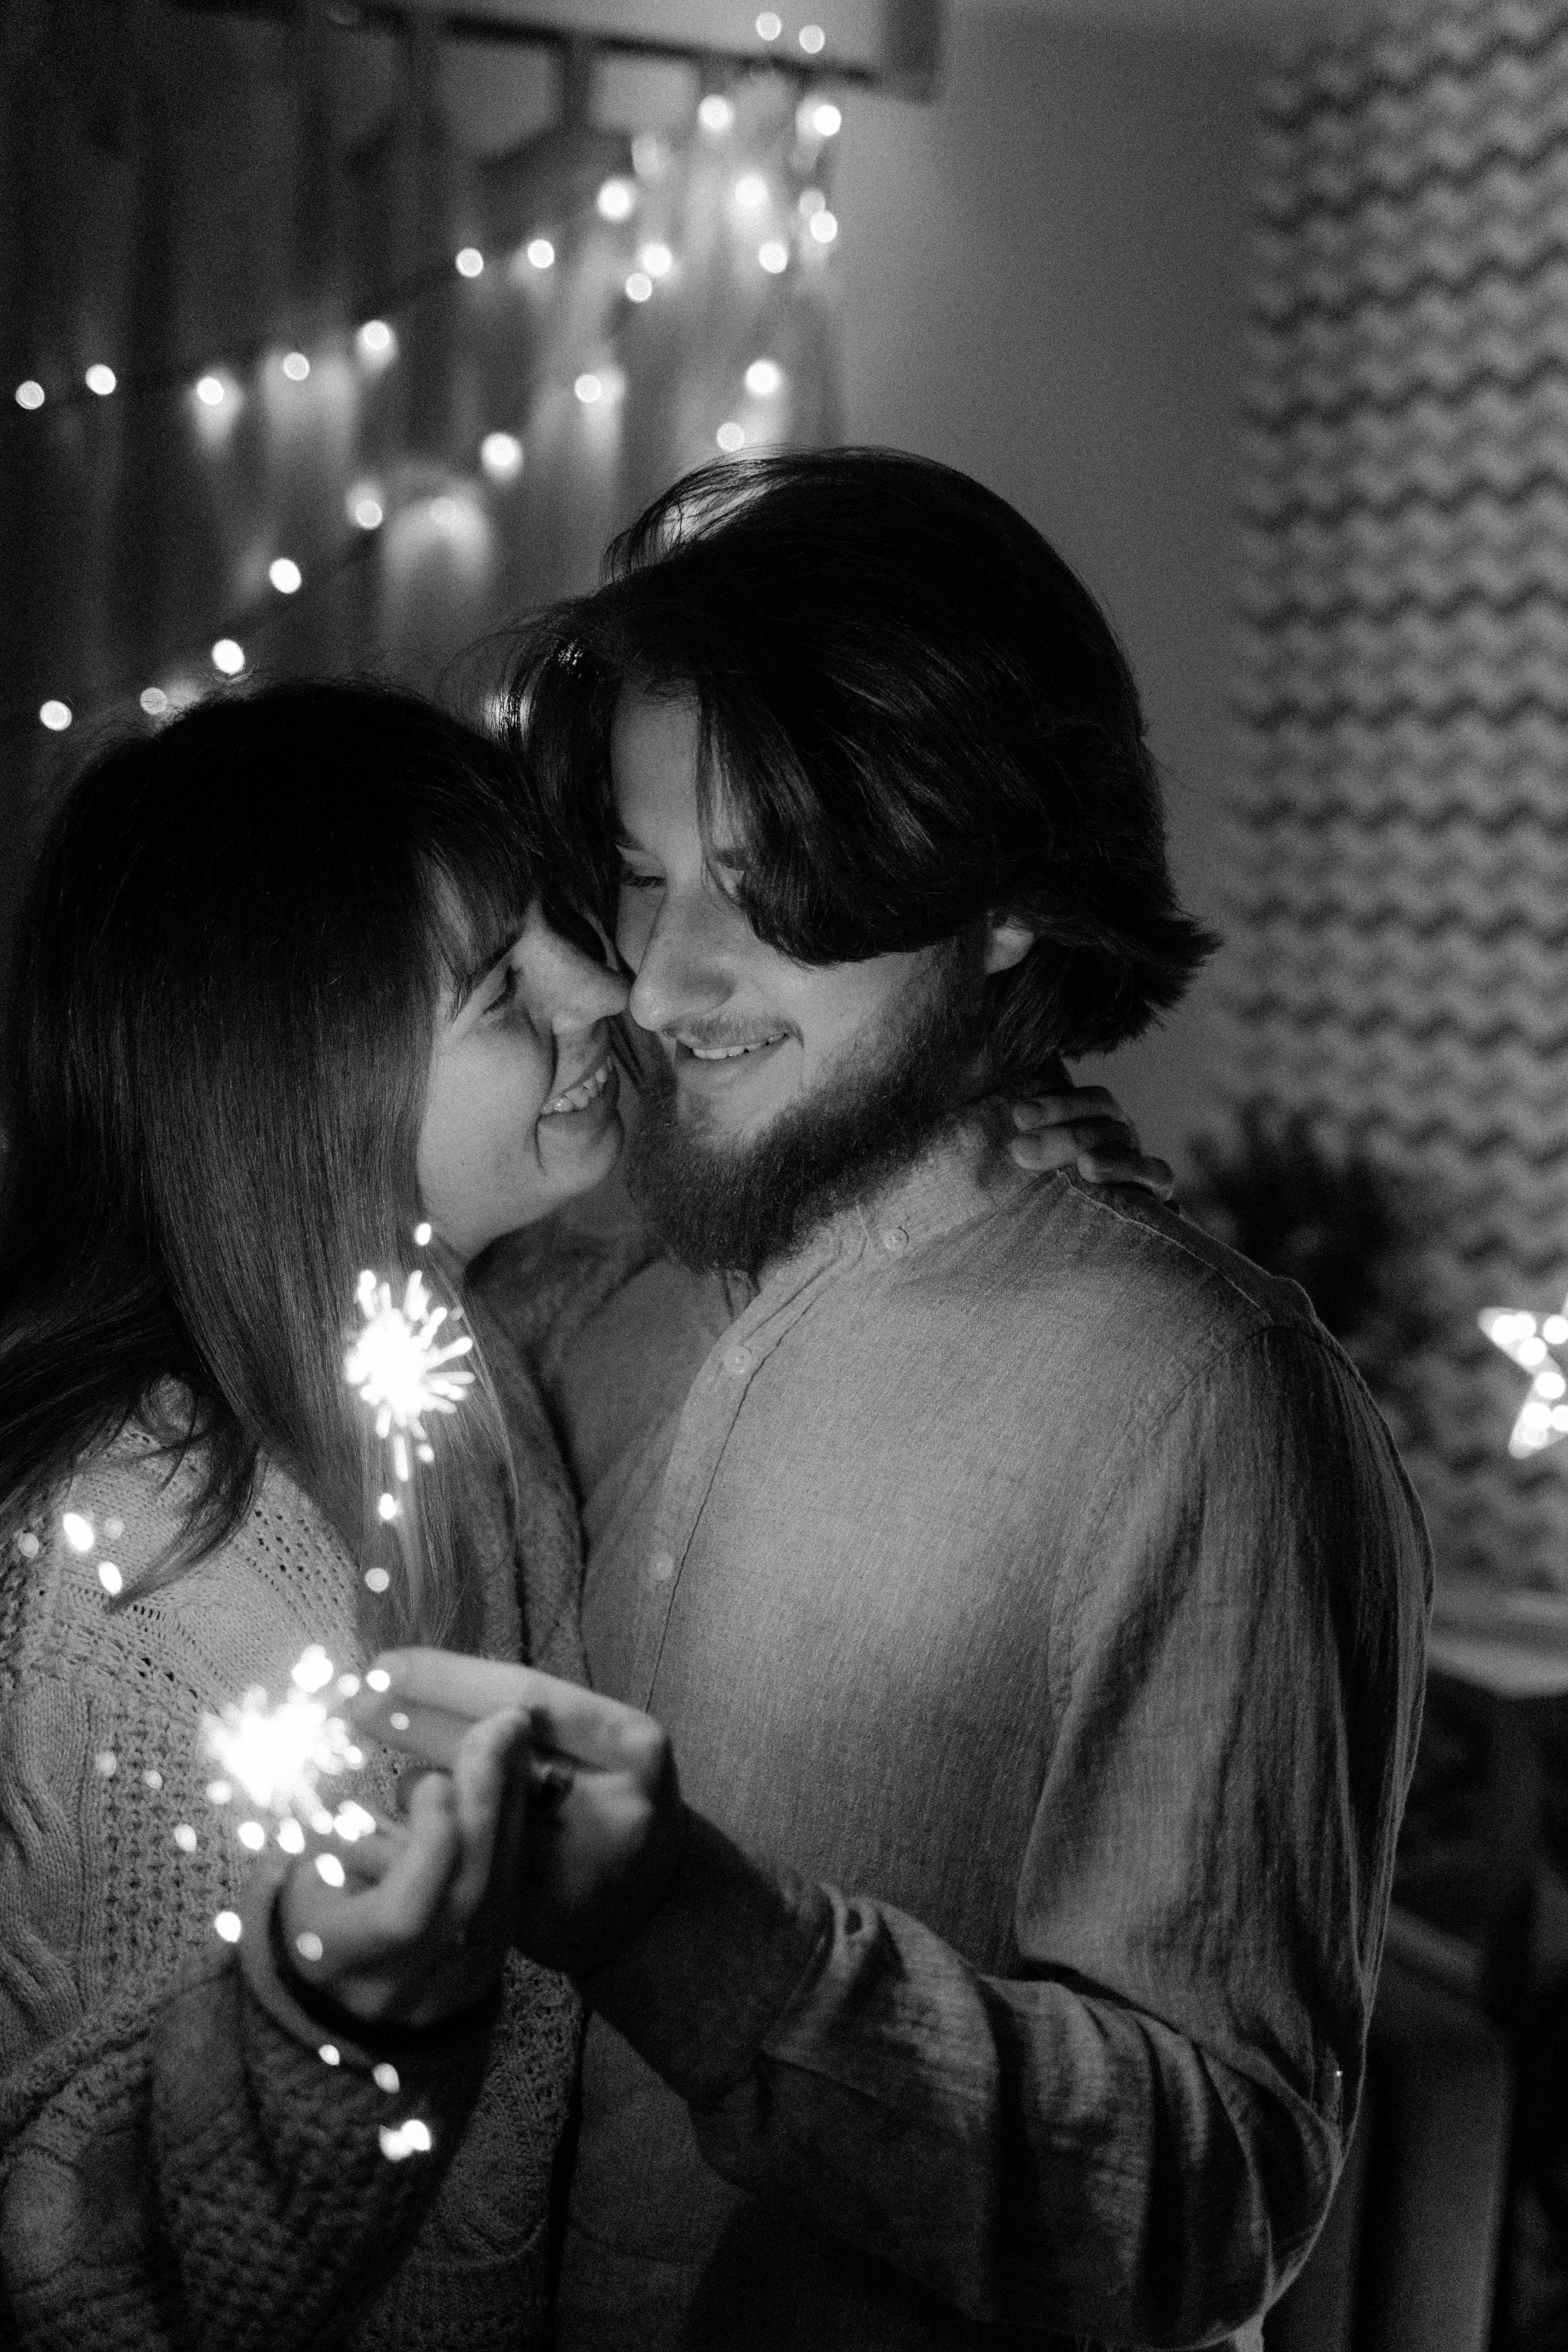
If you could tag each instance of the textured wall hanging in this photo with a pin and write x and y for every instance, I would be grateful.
(1400, 905)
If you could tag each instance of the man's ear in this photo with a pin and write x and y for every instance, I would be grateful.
(1007, 943)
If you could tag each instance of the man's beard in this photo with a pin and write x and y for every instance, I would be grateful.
(737, 1205)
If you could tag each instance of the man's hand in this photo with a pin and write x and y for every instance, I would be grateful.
(604, 1822)
(411, 1924)
(1085, 1128)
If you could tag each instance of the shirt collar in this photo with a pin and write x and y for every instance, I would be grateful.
(967, 1174)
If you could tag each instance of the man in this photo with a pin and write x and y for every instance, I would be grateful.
(1023, 1588)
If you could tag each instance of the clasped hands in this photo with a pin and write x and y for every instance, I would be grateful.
(550, 1820)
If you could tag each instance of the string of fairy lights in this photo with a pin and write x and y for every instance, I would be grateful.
(777, 233)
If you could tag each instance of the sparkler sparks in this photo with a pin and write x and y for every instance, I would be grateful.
(277, 1755)
(403, 1371)
(1530, 1341)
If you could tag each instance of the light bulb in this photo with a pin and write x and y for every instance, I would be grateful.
(228, 1924)
(769, 26)
(375, 340)
(153, 701)
(56, 717)
(812, 40)
(773, 257)
(823, 227)
(541, 252)
(228, 657)
(100, 379)
(763, 378)
(826, 121)
(750, 191)
(209, 391)
(812, 200)
(656, 259)
(715, 114)
(588, 389)
(470, 261)
(285, 576)
(295, 367)
(501, 455)
(364, 506)
(615, 200)
(30, 395)
(731, 438)
(639, 285)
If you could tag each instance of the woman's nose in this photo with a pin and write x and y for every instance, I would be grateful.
(569, 988)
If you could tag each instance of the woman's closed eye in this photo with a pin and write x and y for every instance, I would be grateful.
(631, 880)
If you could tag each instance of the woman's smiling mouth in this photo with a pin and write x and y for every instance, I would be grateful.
(578, 1098)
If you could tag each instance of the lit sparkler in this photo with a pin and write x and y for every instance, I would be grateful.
(402, 1371)
(1530, 1341)
(276, 1756)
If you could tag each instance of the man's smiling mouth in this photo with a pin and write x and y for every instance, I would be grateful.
(690, 1048)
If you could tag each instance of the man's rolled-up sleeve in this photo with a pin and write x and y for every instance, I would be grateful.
(1133, 2131)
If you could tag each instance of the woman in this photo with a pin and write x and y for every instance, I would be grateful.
(288, 992)
(284, 993)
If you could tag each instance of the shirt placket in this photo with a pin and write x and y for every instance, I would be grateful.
(707, 1421)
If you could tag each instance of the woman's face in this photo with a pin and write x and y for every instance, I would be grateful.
(521, 1112)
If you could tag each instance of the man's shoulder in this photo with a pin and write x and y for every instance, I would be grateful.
(1118, 1266)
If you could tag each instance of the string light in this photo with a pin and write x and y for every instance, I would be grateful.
(217, 398)
(811, 39)
(1543, 1418)
(769, 27)
(108, 1576)
(77, 1532)
(731, 438)
(228, 1924)
(501, 455)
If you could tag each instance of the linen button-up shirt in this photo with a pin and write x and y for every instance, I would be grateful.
(1036, 1602)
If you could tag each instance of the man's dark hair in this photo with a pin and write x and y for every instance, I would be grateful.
(912, 714)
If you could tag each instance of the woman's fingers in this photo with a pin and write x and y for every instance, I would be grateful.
(482, 1776)
(333, 1933)
(433, 1697)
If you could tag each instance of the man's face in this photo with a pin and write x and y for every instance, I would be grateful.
(782, 1083)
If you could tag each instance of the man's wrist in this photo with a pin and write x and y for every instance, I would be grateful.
(732, 1943)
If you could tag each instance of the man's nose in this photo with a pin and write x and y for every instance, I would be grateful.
(685, 971)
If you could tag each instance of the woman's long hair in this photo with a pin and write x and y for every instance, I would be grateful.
(237, 938)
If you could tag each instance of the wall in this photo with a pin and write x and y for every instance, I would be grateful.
(1042, 280)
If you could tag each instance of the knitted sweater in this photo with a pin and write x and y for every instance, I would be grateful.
(179, 2168)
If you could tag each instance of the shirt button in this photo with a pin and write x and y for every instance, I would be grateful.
(661, 1566)
(739, 1360)
(895, 1239)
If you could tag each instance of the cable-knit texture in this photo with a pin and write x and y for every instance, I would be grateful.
(179, 2168)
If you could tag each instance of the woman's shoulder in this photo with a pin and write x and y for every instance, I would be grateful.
(86, 1586)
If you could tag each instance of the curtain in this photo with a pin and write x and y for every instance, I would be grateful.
(386, 334)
